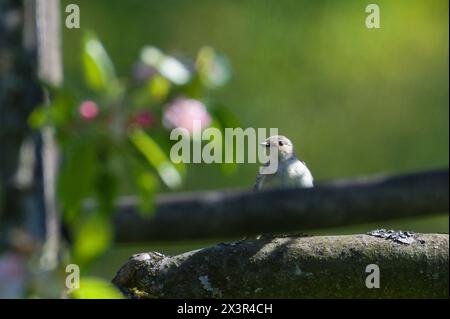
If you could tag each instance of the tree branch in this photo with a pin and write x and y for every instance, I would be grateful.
(50, 70)
(294, 267)
(237, 213)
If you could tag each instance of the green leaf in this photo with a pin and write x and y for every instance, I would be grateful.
(147, 186)
(78, 172)
(98, 69)
(39, 117)
(159, 87)
(107, 190)
(95, 288)
(156, 158)
(94, 236)
(58, 113)
(144, 183)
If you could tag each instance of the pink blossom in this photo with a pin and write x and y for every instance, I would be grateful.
(88, 110)
(143, 119)
(183, 112)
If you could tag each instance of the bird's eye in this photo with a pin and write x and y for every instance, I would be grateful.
(280, 143)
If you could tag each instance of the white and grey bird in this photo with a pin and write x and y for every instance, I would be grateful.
(291, 171)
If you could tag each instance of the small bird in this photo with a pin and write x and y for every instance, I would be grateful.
(291, 171)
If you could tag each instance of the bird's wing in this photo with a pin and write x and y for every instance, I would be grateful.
(260, 179)
(302, 170)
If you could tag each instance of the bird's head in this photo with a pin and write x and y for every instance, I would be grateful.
(281, 145)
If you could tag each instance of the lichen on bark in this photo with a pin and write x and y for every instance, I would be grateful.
(294, 267)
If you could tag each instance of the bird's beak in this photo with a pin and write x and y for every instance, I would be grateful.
(265, 144)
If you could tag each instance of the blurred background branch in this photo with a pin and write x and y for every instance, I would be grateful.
(48, 21)
(233, 213)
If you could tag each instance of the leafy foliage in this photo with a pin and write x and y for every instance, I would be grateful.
(95, 288)
(114, 133)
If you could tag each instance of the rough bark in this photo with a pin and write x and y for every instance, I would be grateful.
(294, 267)
(237, 213)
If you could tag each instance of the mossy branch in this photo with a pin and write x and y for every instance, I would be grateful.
(294, 267)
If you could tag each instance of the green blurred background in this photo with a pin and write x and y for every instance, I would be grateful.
(354, 101)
